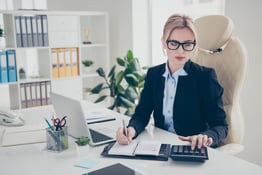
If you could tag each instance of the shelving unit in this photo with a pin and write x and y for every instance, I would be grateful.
(65, 30)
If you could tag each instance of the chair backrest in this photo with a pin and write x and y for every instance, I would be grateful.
(217, 48)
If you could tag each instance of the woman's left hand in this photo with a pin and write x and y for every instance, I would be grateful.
(199, 140)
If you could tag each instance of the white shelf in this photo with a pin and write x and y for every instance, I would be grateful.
(65, 30)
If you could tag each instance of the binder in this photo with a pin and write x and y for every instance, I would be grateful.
(28, 95)
(23, 32)
(38, 93)
(18, 31)
(3, 67)
(29, 31)
(67, 62)
(44, 30)
(22, 95)
(162, 156)
(34, 31)
(43, 92)
(11, 65)
(48, 90)
(61, 62)
(74, 62)
(54, 63)
(39, 30)
(33, 93)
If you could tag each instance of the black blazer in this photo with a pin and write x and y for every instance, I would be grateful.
(198, 105)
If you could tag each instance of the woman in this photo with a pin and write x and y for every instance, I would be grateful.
(185, 98)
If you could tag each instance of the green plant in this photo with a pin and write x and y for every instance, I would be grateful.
(81, 141)
(1, 32)
(21, 71)
(124, 83)
(87, 63)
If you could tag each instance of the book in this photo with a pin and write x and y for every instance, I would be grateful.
(11, 65)
(147, 150)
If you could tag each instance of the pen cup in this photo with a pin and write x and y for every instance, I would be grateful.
(57, 140)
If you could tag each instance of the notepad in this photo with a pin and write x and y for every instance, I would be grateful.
(136, 148)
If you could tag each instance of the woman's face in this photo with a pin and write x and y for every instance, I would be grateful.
(179, 56)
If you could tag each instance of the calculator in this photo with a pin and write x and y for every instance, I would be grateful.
(185, 153)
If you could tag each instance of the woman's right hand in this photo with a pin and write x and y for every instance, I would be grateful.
(123, 139)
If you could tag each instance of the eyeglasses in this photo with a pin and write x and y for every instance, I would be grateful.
(174, 45)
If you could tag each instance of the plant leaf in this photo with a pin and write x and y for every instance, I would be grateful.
(120, 61)
(119, 77)
(97, 88)
(101, 72)
(129, 55)
(131, 80)
(112, 71)
(101, 98)
(131, 94)
(125, 102)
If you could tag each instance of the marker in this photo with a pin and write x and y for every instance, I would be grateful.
(49, 125)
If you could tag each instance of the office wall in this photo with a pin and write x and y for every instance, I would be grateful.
(120, 20)
(246, 16)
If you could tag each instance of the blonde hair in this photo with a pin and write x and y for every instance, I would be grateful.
(176, 21)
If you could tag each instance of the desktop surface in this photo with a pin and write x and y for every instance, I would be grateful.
(35, 159)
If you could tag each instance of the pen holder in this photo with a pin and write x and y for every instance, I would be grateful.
(57, 140)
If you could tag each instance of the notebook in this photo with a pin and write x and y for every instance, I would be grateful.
(76, 122)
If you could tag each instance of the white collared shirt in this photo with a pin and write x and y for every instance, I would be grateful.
(169, 96)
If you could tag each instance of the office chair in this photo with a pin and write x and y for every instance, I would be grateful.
(217, 48)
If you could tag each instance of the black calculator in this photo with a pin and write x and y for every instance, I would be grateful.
(185, 153)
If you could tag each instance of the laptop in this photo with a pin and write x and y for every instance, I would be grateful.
(76, 122)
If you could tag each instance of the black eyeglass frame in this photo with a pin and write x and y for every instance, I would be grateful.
(182, 44)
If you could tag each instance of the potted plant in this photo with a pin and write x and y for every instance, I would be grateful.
(2, 38)
(81, 141)
(22, 73)
(124, 84)
(87, 64)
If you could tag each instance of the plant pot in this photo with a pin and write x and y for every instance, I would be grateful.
(82, 150)
(22, 76)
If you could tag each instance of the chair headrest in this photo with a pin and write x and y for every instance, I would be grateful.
(213, 31)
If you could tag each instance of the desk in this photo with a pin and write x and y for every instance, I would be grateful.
(33, 159)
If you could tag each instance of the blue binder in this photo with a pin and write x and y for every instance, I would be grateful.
(11, 65)
(3, 67)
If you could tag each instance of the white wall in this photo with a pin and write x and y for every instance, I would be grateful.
(248, 26)
(120, 20)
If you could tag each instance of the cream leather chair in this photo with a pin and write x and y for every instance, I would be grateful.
(218, 48)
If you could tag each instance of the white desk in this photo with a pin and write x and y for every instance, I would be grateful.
(33, 159)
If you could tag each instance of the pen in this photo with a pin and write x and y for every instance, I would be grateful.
(49, 125)
(125, 130)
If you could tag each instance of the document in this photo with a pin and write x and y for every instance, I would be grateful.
(97, 115)
(136, 148)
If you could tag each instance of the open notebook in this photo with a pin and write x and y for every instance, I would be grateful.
(136, 148)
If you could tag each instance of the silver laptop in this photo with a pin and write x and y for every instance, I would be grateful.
(76, 122)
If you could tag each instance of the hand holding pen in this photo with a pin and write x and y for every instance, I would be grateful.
(124, 135)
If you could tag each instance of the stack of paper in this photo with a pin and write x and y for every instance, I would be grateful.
(24, 135)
